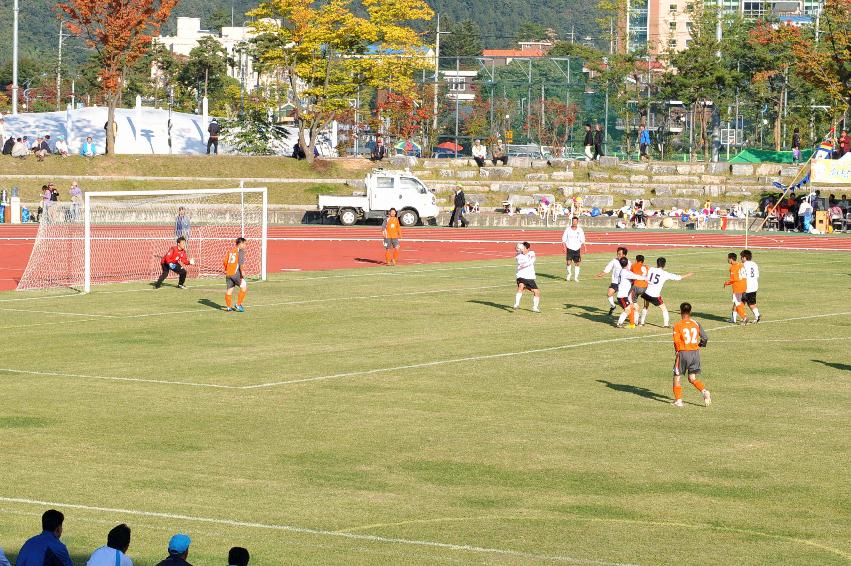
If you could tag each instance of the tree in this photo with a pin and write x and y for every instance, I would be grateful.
(463, 40)
(531, 31)
(121, 32)
(326, 52)
(552, 122)
(207, 63)
(219, 19)
(405, 116)
(826, 63)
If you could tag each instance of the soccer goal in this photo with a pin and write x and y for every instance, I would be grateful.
(121, 236)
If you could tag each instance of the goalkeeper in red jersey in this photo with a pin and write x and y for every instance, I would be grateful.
(175, 260)
(233, 262)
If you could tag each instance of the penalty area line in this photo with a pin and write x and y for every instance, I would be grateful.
(315, 532)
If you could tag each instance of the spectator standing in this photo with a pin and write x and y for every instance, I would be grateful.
(643, 143)
(805, 214)
(61, 146)
(499, 152)
(588, 143)
(46, 199)
(88, 149)
(796, 146)
(598, 141)
(459, 202)
(213, 141)
(844, 145)
(479, 153)
(115, 551)
(76, 200)
(237, 556)
(178, 551)
(378, 151)
(46, 548)
(181, 224)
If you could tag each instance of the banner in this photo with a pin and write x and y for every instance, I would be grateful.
(832, 171)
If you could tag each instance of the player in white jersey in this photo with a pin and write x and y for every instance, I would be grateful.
(614, 267)
(752, 277)
(656, 278)
(625, 279)
(526, 276)
(573, 240)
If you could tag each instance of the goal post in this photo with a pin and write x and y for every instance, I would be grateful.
(121, 236)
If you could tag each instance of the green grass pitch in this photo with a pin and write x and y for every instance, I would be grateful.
(406, 416)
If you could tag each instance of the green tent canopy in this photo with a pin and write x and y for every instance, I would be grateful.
(765, 155)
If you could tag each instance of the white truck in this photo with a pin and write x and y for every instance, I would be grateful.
(384, 190)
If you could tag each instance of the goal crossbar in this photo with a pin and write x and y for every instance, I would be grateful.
(87, 219)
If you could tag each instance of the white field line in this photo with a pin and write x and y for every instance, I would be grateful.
(508, 354)
(61, 313)
(315, 532)
(405, 367)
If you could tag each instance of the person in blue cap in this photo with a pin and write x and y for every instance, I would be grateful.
(178, 551)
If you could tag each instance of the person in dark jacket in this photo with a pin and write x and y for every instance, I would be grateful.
(7, 147)
(459, 203)
(589, 143)
(298, 152)
(46, 548)
(178, 551)
(378, 151)
(598, 141)
(213, 140)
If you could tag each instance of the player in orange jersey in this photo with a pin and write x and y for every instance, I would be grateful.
(689, 337)
(392, 232)
(233, 262)
(639, 285)
(738, 280)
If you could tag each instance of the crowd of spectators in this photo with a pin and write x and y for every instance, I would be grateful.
(796, 213)
(23, 146)
(47, 548)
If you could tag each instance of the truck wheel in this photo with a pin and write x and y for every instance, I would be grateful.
(409, 217)
(348, 216)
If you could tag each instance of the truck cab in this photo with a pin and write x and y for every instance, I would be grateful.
(384, 190)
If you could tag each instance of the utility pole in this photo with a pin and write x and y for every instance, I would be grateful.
(59, 72)
(15, 11)
(457, 102)
(716, 110)
(436, 75)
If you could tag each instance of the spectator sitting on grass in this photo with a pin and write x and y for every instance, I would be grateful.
(8, 145)
(178, 551)
(88, 148)
(46, 548)
(3, 560)
(238, 556)
(61, 146)
(115, 551)
(20, 149)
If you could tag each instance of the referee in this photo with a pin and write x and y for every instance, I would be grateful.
(573, 240)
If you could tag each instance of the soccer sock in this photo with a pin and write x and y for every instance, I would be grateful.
(643, 316)
(387, 256)
(666, 319)
(395, 254)
(535, 302)
(228, 301)
(740, 308)
(678, 392)
(570, 272)
(517, 298)
(612, 301)
(240, 297)
(698, 384)
(735, 314)
(622, 318)
(632, 316)
(577, 274)
(755, 311)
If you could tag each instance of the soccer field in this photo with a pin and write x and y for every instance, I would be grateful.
(408, 416)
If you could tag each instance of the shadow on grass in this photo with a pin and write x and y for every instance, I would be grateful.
(707, 316)
(506, 308)
(640, 391)
(368, 260)
(594, 314)
(550, 276)
(834, 365)
(211, 304)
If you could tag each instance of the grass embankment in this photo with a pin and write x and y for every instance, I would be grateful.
(441, 416)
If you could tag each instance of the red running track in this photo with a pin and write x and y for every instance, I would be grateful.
(307, 248)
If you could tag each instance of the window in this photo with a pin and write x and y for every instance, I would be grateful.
(689, 26)
(384, 182)
(672, 26)
(406, 183)
(672, 43)
(689, 8)
(457, 84)
(672, 8)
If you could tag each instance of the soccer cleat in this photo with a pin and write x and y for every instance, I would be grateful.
(611, 310)
(619, 325)
(181, 286)
(536, 310)
(228, 309)
(745, 321)
(757, 319)
(707, 400)
(239, 308)
(678, 403)
(730, 321)
(157, 285)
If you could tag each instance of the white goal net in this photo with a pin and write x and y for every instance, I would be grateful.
(121, 236)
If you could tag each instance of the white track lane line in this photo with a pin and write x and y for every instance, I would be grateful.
(317, 532)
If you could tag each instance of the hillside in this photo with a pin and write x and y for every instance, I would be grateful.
(498, 25)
